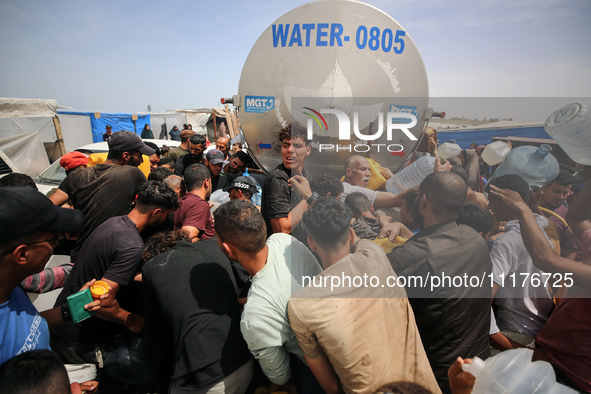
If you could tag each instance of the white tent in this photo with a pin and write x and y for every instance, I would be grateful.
(76, 130)
(157, 119)
(26, 151)
(26, 125)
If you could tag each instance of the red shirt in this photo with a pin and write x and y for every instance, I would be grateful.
(565, 337)
(194, 211)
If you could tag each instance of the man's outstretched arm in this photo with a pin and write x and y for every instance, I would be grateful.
(538, 247)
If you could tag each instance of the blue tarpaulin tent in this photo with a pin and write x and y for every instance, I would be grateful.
(118, 121)
(483, 136)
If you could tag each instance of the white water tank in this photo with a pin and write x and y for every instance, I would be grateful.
(334, 55)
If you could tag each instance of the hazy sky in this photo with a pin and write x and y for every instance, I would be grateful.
(123, 55)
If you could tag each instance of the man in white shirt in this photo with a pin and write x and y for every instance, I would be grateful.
(523, 306)
(276, 266)
(357, 176)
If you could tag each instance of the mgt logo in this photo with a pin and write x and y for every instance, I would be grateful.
(259, 104)
(402, 121)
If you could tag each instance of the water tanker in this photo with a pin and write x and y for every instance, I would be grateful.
(344, 70)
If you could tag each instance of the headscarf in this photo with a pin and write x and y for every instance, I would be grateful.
(147, 133)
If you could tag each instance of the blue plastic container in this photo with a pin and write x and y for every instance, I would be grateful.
(533, 164)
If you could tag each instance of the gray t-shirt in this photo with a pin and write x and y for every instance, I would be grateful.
(348, 189)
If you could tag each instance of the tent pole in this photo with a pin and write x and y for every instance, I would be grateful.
(215, 128)
(59, 135)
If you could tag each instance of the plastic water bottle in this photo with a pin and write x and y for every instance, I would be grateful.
(256, 197)
(531, 163)
(495, 153)
(411, 175)
(447, 150)
(570, 126)
(219, 196)
(513, 372)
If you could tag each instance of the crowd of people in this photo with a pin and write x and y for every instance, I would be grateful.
(327, 286)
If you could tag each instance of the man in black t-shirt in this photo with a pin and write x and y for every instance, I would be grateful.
(105, 190)
(281, 208)
(108, 133)
(113, 253)
(191, 290)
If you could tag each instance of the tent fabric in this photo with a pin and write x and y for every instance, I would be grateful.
(219, 112)
(118, 122)
(16, 108)
(157, 119)
(17, 126)
(27, 152)
(76, 131)
(198, 121)
(484, 136)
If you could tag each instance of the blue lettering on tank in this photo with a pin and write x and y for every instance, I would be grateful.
(280, 33)
(332, 34)
(336, 30)
(308, 27)
(296, 36)
(320, 34)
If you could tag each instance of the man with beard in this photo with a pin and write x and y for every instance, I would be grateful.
(452, 320)
(237, 163)
(106, 190)
(357, 175)
(214, 163)
(197, 145)
(183, 148)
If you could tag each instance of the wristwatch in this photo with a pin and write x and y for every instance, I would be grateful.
(312, 198)
(66, 316)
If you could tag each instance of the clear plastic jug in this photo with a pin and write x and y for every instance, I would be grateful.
(411, 175)
(447, 150)
(256, 197)
(495, 153)
(513, 372)
(570, 126)
(533, 164)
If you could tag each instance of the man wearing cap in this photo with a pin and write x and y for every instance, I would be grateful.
(197, 145)
(215, 163)
(108, 133)
(183, 148)
(241, 188)
(30, 228)
(107, 189)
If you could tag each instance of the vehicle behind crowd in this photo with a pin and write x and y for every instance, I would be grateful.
(55, 174)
